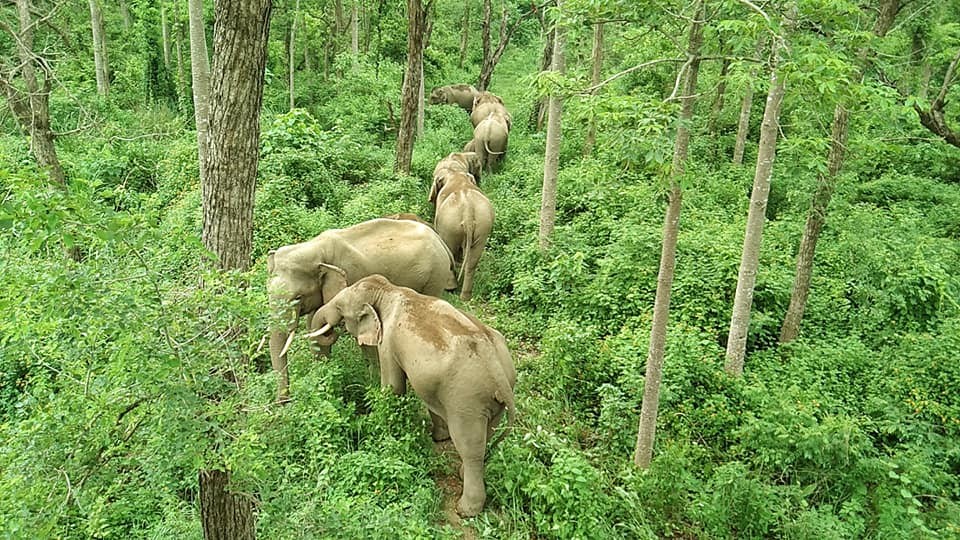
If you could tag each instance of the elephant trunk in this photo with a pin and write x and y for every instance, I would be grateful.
(280, 340)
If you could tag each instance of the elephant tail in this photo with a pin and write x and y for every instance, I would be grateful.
(505, 398)
(489, 151)
(468, 222)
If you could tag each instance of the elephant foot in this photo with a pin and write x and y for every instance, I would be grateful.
(469, 508)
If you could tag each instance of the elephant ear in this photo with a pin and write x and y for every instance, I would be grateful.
(435, 188)
(369, 329)
(332, 281)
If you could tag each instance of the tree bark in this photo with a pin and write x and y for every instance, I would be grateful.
(178, 32)
(31, 106)
(551, 159)
(240, 51)
(749, 260)
(646, 432)
(718, 100)
(99, 49)
(291, 50)
(165, 34)
(538, 113)
(416, 24)
(597, 61)
(465, 33)
(484, 42)
(355, 31)
(225, 515)
(200, 73)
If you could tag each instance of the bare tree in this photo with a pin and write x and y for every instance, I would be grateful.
(551, 159)
(416, 26)
(597, 66)
(826, 182)
(31, 103)
(200, 72)
(646, 432)
(749, 260)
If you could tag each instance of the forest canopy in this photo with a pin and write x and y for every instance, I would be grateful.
(802, 386)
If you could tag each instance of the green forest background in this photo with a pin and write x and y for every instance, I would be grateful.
(125, 373)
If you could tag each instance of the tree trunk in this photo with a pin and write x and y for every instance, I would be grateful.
(538, 113)
(597, 61)
(646, 431)
(355, 31)
(743, 125)
(490, 59)
(416, 24)
(749, 260)
(99, 49)
(420, 104)
(240, 52)
(551, 159)
(165, 33)
(125, 15)
(178, 31)
(817, 215)
(225, 515)
(465, 34)
(717, 108)
(291, 50)
(31, 106)
(484, 43)
(200, 72)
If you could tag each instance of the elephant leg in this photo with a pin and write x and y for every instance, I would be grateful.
(493, 423)
(470, 266)
(392, 376)
(440, 430)
(469, 438)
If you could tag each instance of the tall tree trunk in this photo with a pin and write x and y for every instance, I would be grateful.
(233, 147)
(484, 43)
(291, 50)
(416, 24)
(200, 72)
(465, 33)
(551, 159)
(165, 33)
(31, 106)
(749, 260)
(99, 48)
(743, 125)
(225, 515)
(490, 59)
(538, 113)
(646, 431)
(717, 108)
(178, 34)
(817, 215)
(125, 15)
(420, 104)
(597, 61)
(355, 31)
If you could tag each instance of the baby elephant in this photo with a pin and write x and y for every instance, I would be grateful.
(460, 367)
(463, 219)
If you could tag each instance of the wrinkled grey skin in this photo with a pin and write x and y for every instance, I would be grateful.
(486, 103)
(464, 219)
(302, 277)
(468, 162)
(408, 216)
(490, 141)
(455, 94)
(460, 367)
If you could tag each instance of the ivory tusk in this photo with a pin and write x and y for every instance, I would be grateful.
(286, 346)
(323, 330)
(263, 341)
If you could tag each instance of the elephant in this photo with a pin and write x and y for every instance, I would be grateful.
(468, 162)
(408, 216)
(464, 219)
(460, 367)
(486, 103)
(454, 94)
(490, 141)
(302, 277)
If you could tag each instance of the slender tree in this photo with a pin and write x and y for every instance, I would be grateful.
(551, 159)
(826, 182)
(743, 122)
(597, 67)
(355, 31)
(165, 35)
(750, 258)
(718, 99)
(291, 51)
(492, 57)
(101, 65)
(200, 72)
(31, 103)
(646, 431)
(465, 33)
(416, 26)
(539, 111)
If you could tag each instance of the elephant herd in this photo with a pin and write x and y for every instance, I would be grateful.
(384, 278)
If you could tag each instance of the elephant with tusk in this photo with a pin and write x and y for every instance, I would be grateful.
(460, 367)
(303, 277)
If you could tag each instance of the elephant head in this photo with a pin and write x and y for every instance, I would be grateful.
(461, 95)
(466, 162)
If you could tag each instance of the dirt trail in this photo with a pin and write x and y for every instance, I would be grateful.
(451, 486)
